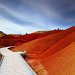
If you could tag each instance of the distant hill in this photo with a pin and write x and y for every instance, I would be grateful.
(40, 32)
(2, 34)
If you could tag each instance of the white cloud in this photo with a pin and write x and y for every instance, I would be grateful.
(10, 27)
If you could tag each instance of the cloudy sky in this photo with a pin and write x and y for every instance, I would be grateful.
(21, 16)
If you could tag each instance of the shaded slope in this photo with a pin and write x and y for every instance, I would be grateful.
(9, 40)
(42, 44)
(62, 62)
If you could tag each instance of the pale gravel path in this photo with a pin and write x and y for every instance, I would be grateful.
(14, 64)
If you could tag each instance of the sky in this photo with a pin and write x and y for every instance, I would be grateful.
(27, 16)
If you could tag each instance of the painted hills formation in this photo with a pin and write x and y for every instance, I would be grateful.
(48, 53)
(53, 54)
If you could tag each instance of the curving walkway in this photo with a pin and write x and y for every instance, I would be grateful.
(14, 64)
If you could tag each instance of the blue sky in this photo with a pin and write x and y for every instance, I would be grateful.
(21, 16)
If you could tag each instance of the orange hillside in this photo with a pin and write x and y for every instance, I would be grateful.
(55, 53)
(62, 62)
(59, 45)
(42, 44)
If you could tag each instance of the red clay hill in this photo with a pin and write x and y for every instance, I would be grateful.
(40, 45)
(53, 54)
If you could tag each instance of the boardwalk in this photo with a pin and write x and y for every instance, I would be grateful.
(14, 64)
